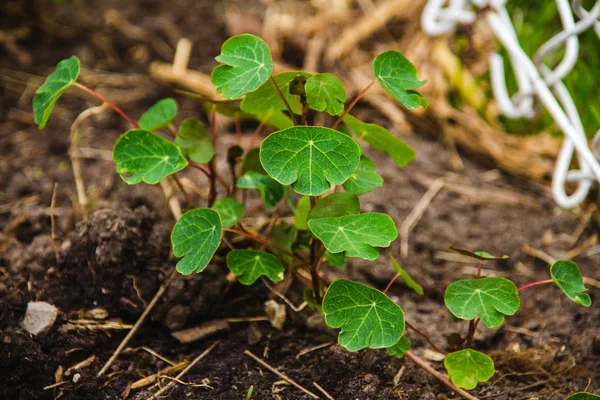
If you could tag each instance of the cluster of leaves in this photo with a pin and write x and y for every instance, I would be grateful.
(328, 170)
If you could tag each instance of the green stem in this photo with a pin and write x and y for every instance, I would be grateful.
(287, 105)
(108, 102)
(263, 242)
(356, 99)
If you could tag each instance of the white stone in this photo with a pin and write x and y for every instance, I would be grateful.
(39, 317)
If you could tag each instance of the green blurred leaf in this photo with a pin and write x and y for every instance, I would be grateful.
(194, 141)
(398, 77)
(65, 74)
(566, 275)
(410, 282)
(364, 178)
(468, 367)
(267, 99)
(159, 115)
(141, 155)
(230, 210)
(583, 396)
(196, 237)
(478, 255)
(325, 92)
(367, 317)
(337, 260)
(335, 205)
(247, 64)
(249, 265)
(271, 192)
(252, 162)
(284, 235)
(301, 220)
(311, 302)
(400, 348)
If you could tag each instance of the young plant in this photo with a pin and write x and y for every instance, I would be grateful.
(326, 168)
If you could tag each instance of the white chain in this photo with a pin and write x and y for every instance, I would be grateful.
(534, 79)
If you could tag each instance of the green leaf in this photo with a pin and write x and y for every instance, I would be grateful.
(382, 140)
(284, 236)
(566, 275)
(487, 298)
(249, 265)
(141, 155)
(54, 86)
(271, 192)
(468, 367)
(194, 141)
(479, 255)
(368, 318)
(159, 115)
(583, 396)
(311, 302)
(410, 282)
(309, 158)
(301, 220)
(335, 205)
(355, 234)
(230, 210)
(325, 92)
(196, 237)
(266, 98)
(247, 65)
(364, 178)
(337, 260)
(252, 162)
(398, 77)
(400, 348)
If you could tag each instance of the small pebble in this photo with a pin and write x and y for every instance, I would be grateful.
(76, 377)
(39, 317)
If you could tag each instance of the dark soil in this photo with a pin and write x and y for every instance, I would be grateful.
(117, 258)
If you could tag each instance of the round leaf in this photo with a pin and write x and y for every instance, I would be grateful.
(335, 205)
(247, 65)
(249, 265)
(194, 141)
(355, 234)
(566, 275)
(368, 318)
(54, 86)
(487, 298)
(325, 92)
(468, 367)
(364, 178)
(266, 98)
(159, 115)
(141, 155)
(410, 282)
(583, 396)
(309, 158)
(269, 189)
(398, 77)
(196, 237)
(230, 210)
(400, 348)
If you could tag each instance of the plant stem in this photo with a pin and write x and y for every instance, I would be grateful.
(356, 99)
(439, 376)
(471, 333)
(188, 199)
(479, 269)
(108, 102)
(287, 105)
(424, 336)
(263, 242)
(314, 260)
(212, 190)
(259, 129)
(389, 285)
(534, 284)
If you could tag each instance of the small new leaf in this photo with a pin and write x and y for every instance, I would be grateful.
(487, 298)
(247, 64)
(302, 211)
(400, 348)
(583, 396)
(566, 275)
(309, 158)
(194, 141)
(267, 99)
(196, 237)
(230, 210)
(141, 155)
(335, 205)
(368, 318)
(382, 140)
(364, 178)
(54, 86)
(159, 115)
(269, 189)
(478, 255)
(410, 282)
(468, 367)
(355, 234)
(325, 92)
(398, 77)
(249, 265)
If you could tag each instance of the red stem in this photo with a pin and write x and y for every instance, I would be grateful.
(108, 102)
(212, 189)
(424, 336)
(356, 99)
(389, 285)
(534, 284)
(263, 242)
(287, 105)
(479, 269)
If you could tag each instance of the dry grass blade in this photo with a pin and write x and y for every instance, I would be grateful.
(154, 377)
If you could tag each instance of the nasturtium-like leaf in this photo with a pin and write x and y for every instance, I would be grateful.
(196, 237)
(400, 348)
(310, 158)
(364, 178)
(302, 211)
(583, 396)
(246, 65)
(566, 275)
(398, 77)
(249, 265)
(410, 282)
(468, 367)
(368, 318)
(266, 98)
(478, 255)
(337, 260)
(284, 235)
(355, 234)
(325, 92)
(252, 162)
(230, 210)
(141, 155)
(335, 205)
(54, 86)
(271, 191)
(381, 139)
(159, 115)
(488, 298)
(194, 141)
